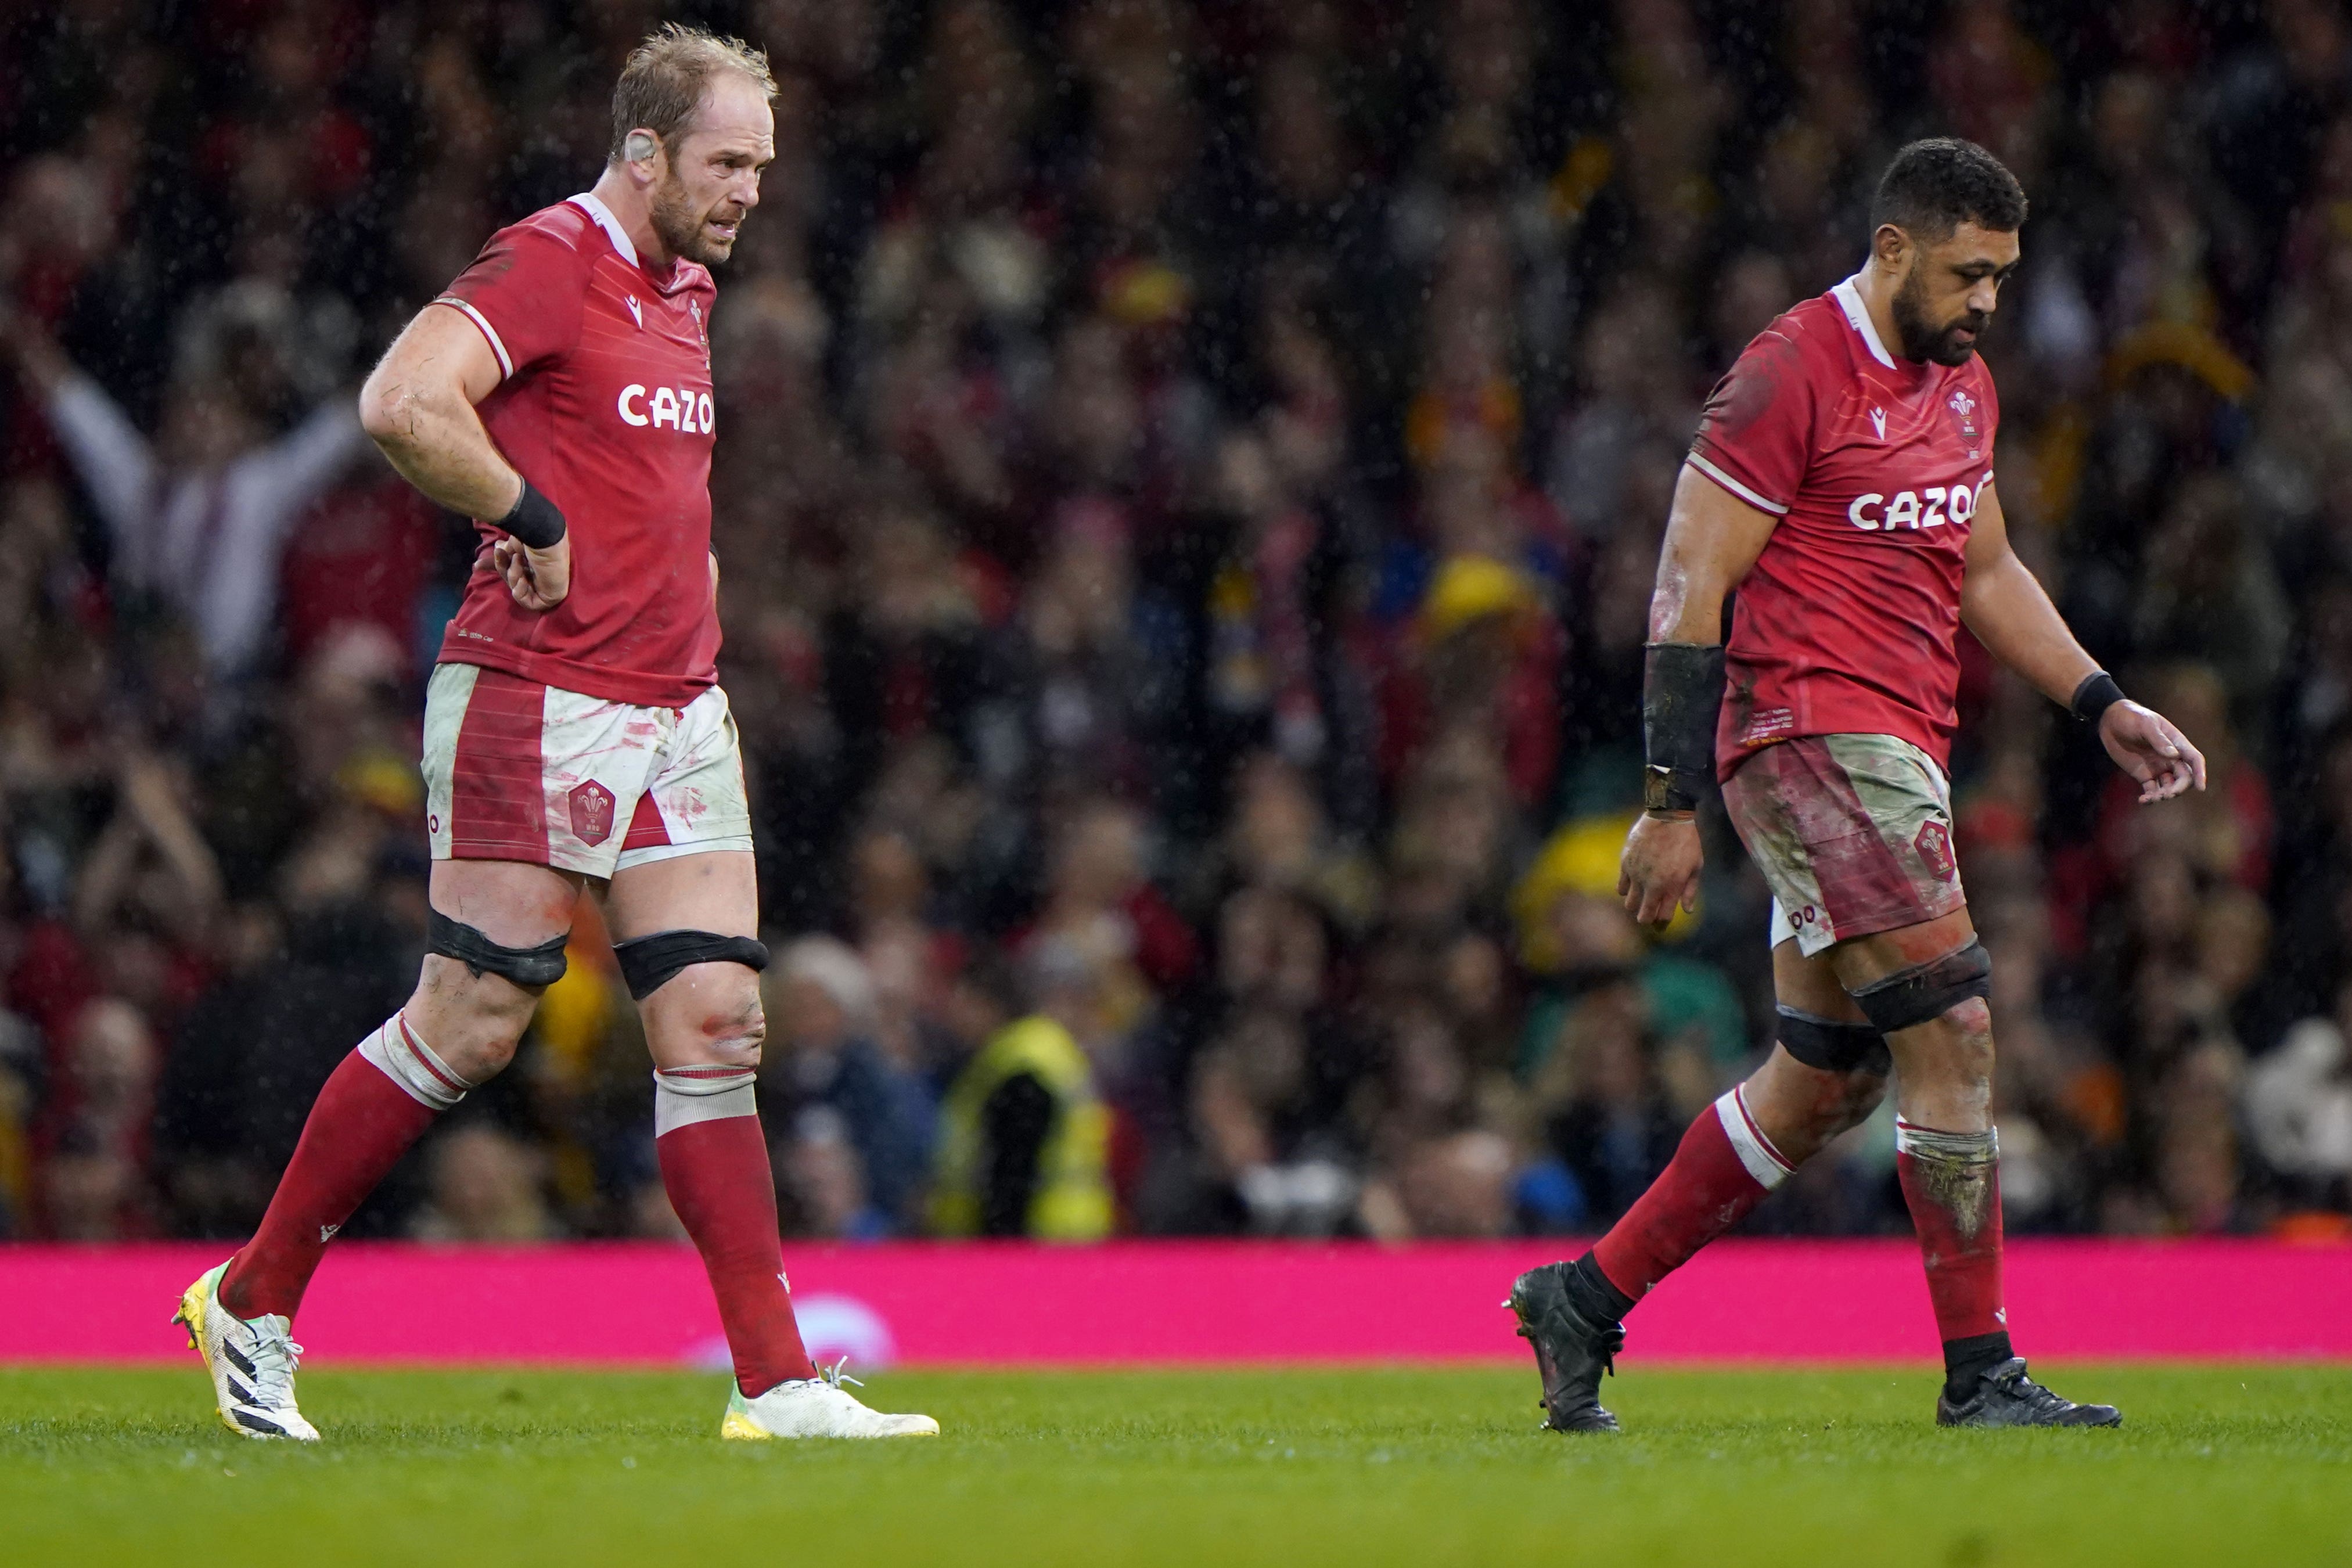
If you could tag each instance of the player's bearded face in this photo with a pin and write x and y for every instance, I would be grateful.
(683, 222)
(1945, 332)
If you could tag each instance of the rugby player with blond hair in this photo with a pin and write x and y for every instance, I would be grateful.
(575, 735)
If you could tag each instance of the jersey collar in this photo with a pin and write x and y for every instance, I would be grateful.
(587, 203)
(1849, 299)
(681, 271)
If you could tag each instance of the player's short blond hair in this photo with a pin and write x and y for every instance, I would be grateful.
(663, 82)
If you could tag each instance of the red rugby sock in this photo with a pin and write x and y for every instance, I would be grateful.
(1951, 1182)
(714, 1166)
(1723, 1168)
(362, 1123)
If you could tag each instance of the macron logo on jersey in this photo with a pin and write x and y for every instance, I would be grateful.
(1931, 507)
(682, 408)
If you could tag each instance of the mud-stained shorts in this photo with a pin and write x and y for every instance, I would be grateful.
(1853, 835)
(517, 770)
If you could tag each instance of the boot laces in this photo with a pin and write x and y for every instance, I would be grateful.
(835, 1377)
(275, 1355)
(2011, 1380)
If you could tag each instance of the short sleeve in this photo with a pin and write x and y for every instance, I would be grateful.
(525, 292)
(1757, 434)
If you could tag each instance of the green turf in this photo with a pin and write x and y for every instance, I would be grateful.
(2215, 1466)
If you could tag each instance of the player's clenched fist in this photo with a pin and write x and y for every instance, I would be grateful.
(1660, 867)
(539, 578)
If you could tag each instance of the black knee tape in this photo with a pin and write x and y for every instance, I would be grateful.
(1832, 1047)
(648, 962)
(1926, 991)
(531, 967)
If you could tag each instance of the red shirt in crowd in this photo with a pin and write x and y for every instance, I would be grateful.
(606, 407)
(1874, 465)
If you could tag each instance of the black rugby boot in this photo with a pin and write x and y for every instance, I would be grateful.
(1573, 1348)
(2005, 1396)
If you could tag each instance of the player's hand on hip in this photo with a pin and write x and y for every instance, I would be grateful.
(539, 578)
(2150, 747)
(1660, 868)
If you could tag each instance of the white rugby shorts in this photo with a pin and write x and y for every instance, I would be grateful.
(517, 770)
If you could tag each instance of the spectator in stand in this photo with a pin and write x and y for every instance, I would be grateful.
(200, 516)
(1194, 475)
(93, 1145)
(824, 1056)
(1025, 1138)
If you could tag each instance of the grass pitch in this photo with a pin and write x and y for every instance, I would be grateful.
(2213, 1466)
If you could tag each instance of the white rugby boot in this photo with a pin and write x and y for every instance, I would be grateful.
(252, 1363)
(815, 1407)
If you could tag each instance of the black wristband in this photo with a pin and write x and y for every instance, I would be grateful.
(1682, 689)
(534, 519)
(2098, 693)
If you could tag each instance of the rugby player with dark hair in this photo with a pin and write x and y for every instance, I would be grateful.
(1842, 480)
(575, 736)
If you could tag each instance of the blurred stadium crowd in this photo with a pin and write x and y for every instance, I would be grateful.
(1188, 478)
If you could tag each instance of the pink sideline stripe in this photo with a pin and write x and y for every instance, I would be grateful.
(1007, 1304)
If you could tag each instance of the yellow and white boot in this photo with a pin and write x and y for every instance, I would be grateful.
(252, 1363)
(816, 1407)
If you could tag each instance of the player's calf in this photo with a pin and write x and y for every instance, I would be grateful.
(1948, 1156)
(699, 996)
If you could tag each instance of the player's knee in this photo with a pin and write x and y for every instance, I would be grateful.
(477, 1048)
(1948, 988)
(475, 1021)
(1968, 1026)
(736, 1037)
(727, 1026)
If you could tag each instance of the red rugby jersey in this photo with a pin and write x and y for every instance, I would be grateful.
(1874, 465)
(606, 407)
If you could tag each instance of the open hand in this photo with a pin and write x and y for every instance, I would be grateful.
(2147, 745)
(1660, 867)
(539, 578)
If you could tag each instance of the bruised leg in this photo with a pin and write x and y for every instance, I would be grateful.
(1924, 984)
(459, 1030)
(1748, 1141)
(1803, 1105)
(705, 1027)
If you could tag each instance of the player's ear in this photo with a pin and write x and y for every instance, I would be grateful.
(1891, 248)
(641, 150)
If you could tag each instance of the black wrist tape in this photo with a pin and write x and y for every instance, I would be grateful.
(1682, 689)
(2098, 693)
(534, 519)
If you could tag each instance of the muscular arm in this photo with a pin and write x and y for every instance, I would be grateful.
(1713, 539)
(418, 407)
(2005, 606)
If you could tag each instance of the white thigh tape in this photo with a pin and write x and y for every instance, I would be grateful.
(409, 1062)
(684, 1096)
